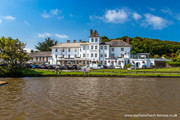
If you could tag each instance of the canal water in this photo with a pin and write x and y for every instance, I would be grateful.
(90, 98)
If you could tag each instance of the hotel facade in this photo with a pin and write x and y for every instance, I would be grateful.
(115, 53)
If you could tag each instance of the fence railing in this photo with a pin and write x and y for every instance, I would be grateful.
(140, 72)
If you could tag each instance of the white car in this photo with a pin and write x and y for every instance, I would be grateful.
(117, 67)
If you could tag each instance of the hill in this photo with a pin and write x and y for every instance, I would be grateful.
(153, 46)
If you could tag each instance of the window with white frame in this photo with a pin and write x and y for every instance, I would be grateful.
(92, 40)
(96, 47)
(101, 55)
(96, 40)
(69, 56)
(56, 50)
(112, 49)
(69, 50)
(84, 55)
(95, 54)
(87, 47)
(91, 54)
(84, 47)
(105, 47)
(105, 62)
(105, 55)
(75, 50)
(92, 47)
(122, 49)
(63, 50)
(112, 55)
(101, 47)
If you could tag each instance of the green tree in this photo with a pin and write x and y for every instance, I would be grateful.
(156, 56)
(13, 54)
(178, 52)
(105, 39)
(46, 45)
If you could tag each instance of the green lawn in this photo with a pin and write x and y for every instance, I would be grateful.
(140, 70)
(31, 72)
(103, 72)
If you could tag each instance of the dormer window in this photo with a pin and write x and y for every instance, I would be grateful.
(96, 39)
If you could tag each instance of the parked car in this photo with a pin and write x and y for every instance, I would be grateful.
(44, 66)
(105, 66)
(35, 66)
(111, 66)
(69, 67)
(50, 67)
(28, 65)
(117, 67)
(76, 67)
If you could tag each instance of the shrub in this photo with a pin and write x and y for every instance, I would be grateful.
(144, 66)
(173, 63)
(156, 56)
(128, 65)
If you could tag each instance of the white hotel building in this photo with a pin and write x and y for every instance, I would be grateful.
(113, 53)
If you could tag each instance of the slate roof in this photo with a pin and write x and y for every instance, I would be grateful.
(39, 54)
(94, 34)
(116, 43)
(70, 45)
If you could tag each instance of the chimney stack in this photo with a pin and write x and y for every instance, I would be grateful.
(68, 41)
(127, 40)
(80, 41)
(74, 41)
(91, 32)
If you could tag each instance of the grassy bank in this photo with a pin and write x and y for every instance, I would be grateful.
(104, 72)
(165, 72)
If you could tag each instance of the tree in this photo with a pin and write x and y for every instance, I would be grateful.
(105, 39)
(13, 54)
(178, 52)
(156, 56)
(46, 45)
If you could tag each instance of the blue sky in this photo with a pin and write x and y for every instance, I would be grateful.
(33, 20)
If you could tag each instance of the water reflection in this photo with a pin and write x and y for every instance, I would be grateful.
(52, 98)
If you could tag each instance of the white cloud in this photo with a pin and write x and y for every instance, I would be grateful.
(45, 15)
(116, 16)
(27, 23)
(167, 10)
(61, 36)
(136, 16)
(55, 11)
(152, 9)
(0, 21)
(28, 50)
(155, 21)
(60, 17)
(9, 17)
(52, 12)
(44, 35)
